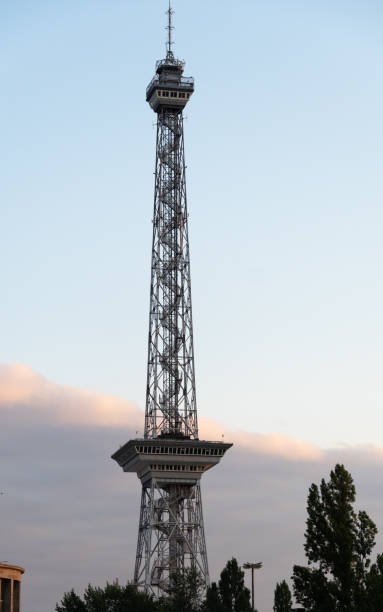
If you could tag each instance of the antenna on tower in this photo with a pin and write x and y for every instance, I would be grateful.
(169, 27)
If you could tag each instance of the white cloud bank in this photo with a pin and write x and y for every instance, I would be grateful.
(65, 498)
(21, 386)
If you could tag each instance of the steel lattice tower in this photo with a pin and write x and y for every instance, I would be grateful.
(170, 459)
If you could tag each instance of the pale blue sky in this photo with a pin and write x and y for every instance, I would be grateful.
(284, 153)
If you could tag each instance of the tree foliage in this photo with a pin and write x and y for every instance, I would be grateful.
(230, 595)
(112, 598)
(213, 601)
(282, 597)
(187, 591)
(71, 603)
(338, 545)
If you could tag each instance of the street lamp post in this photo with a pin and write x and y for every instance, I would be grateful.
(252, 566)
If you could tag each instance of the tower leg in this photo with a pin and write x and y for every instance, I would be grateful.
(140, 539)
(171, 537)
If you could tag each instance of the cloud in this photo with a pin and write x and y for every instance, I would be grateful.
(274, 444)
(20, 386)
(18, 383)
(65, 498)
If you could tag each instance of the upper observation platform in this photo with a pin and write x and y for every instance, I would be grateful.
(168, 89)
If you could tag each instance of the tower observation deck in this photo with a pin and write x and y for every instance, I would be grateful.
(170, 459)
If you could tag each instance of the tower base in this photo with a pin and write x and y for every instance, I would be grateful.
(171, 535)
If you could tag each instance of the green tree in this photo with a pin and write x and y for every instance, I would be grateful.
(234, 595)
(187, 591)
(112, 598)
(231, 595)
(338, 546)
(71, 603)
(374, 587)
(282, 597)
(213, 601)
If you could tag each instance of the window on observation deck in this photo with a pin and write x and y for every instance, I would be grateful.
(177, 468)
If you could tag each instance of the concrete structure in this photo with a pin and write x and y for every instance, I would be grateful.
(10, 587)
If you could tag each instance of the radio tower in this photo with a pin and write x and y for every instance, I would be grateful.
(170, 459)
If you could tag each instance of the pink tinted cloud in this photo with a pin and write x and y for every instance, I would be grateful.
(21, 386)
(274, 444)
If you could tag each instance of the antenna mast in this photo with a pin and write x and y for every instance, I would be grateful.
(169, 27)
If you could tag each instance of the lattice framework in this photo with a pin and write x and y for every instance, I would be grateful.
(170, 399)
(170, 459)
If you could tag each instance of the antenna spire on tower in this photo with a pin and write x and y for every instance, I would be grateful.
(169, 27)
